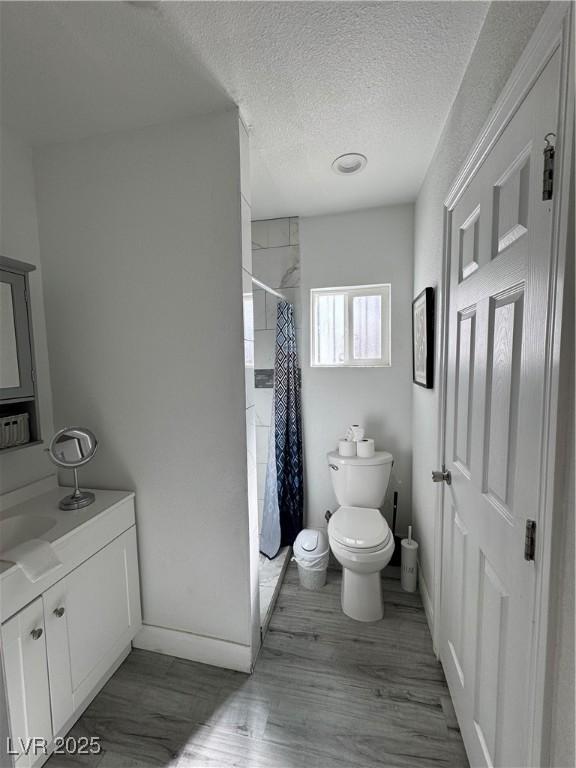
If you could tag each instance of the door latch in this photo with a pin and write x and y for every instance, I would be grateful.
(442, 476)
(548, 175)
(530, 540)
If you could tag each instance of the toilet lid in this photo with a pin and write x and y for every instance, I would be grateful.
(359, 528)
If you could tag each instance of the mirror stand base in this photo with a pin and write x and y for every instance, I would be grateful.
(77, 500)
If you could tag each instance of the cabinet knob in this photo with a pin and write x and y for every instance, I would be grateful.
(59, 611)
(37, 633)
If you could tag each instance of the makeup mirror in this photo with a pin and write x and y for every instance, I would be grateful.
(70, 448)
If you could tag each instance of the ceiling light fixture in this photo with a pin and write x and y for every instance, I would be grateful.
(350, 163)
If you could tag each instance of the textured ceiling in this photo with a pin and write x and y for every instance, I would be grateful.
(313, 80)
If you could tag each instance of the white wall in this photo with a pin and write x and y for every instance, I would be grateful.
(142, 253)
(507, 29)
(19, 240)
(358, 248)
(248, 300)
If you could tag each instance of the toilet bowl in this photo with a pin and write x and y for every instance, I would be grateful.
(363, 544)
(359, 536)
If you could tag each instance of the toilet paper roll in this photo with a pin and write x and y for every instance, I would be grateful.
(346, 448)
(365, 448)
(355, 432)
(409, 569)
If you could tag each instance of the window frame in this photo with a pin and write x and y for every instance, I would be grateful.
(384, 290)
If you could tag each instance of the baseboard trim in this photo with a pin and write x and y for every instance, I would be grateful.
(426, 601)
(185, 645)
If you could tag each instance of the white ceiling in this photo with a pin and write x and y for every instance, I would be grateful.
(313, 80)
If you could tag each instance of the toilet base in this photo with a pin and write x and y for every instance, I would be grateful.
(362, 595)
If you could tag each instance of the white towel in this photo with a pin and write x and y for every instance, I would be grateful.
(36, 557)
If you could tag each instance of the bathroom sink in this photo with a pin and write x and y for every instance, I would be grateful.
(72, 538)
(20, 528)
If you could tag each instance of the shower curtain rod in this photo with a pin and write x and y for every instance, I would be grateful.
(267, 288)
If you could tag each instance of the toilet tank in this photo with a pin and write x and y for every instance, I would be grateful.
(360, 482)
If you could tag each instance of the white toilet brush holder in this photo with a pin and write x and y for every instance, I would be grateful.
(409, 569)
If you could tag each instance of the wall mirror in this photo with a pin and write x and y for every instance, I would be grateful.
(9, 371)
(70, 448)
(18, 403)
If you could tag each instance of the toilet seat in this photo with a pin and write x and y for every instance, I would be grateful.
(359, 529)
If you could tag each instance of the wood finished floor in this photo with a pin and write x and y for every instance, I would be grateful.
(327, 692)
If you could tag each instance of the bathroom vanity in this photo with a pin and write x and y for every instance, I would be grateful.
(64, 634)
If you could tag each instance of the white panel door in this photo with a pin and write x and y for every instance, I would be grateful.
(24, 651)
(91, 616)
(499, 279)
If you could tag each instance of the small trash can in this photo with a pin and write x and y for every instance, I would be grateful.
(311, 552)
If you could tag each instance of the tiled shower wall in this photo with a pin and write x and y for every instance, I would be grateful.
(275, 261)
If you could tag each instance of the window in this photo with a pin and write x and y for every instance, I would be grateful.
(350, 326)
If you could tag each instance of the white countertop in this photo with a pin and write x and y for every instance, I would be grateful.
(75, 536)
(67, 521)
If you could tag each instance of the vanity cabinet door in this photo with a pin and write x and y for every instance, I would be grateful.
(100, 616)
(24, 650)
(56, 619)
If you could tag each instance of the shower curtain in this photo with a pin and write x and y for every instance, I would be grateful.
(284, 491)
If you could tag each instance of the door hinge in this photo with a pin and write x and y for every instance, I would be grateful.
(548, 174)
(530, 540)
(33, 375)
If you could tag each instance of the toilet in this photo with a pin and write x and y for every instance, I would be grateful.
(358, 534)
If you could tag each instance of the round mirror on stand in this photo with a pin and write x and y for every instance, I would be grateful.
(70, 448)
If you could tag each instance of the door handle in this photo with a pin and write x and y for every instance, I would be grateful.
(334, 467)
(442, 476)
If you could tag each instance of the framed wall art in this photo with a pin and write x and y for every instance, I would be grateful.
(423, 339)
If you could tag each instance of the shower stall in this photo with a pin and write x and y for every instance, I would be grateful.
(276, 307)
